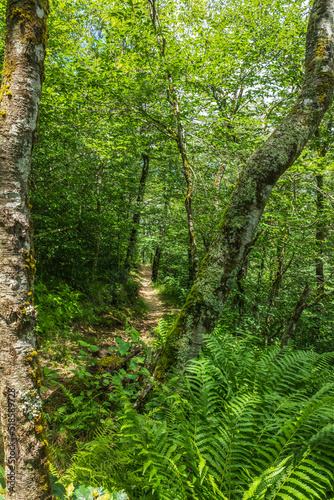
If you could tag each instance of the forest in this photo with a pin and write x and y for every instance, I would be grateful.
(166, 250)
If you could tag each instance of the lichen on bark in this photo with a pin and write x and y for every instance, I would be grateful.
(23, 73)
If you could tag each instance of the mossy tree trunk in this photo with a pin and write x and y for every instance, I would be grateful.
(26, 463)
(219, 268)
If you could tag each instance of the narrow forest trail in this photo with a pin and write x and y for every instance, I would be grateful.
(156, 308)
(105, 336)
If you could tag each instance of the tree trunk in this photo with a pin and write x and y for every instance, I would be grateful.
(320, 228)
(319, 263)
(26, 463)
(158, 250)
(217, 183)
(320, 236)
(156, 262)
(216, 276)
(240, 295)
(275, 289)
(181, 143)
(294, 318)
(136, 216)
(98, 228)
(193, 262)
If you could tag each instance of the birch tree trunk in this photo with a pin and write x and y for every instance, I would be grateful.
(26, 463)
(219, 268)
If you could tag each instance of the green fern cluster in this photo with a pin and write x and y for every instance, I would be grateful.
(242, 424)
(163, 327)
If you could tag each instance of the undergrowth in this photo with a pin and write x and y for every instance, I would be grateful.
(172, 291)
(243, 423)
(64, 312)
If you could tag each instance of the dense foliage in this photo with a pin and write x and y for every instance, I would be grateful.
(236, 69)
(243, 423)
(248, 420)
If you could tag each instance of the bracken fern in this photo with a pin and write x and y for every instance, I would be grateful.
(241, 424)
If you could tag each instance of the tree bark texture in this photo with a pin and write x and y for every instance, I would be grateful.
(26, 463)
(136, 216)
(320, 229)
(219, 268)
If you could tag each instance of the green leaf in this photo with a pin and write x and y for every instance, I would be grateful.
(123, 347)
(94, 348)
(82, 493)
(58, 491)
(2, 478)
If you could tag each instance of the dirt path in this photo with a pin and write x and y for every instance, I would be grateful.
(156, 308)
(105, 337)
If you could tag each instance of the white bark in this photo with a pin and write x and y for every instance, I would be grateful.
(26, 464)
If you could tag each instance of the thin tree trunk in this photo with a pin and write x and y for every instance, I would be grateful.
(217, 183)
(320, 236)
(320, 229)
(320, 239)
(156, 263)
(241, 277)
(181, 143)
(98, 228)
(26, 463)
(275, 288)
(161, 242)
(219, 268)
(136, 216)
(295, 316)
(193, 264)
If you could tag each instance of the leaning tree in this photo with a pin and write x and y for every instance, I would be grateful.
(237, 228)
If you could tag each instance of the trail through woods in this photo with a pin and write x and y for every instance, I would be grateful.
(156, 308)
(105, 335)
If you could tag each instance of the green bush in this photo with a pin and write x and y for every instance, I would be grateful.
(58, 308)
(172, 291)
(243, 424)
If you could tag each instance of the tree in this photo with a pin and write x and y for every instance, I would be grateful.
(136, 215)
(20, 402)
(240, 220)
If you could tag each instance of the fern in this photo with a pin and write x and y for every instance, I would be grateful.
(242, 424)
